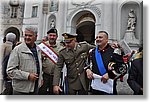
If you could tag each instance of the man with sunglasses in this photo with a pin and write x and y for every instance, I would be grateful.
(74, 55)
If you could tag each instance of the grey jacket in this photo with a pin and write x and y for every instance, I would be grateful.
(6, 49)
(20, 64)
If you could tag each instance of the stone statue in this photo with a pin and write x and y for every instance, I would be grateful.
(130, 32)
(52, 24)
(131, 20)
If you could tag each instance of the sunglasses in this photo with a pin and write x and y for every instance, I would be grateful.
(69, 41)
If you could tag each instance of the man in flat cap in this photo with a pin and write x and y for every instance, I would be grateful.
(74, 55)
(48, 63)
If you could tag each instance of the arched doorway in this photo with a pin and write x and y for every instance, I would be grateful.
(13, 30)
(85, 28)
(86, 32)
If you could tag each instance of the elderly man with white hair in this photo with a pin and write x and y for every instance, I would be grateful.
(6, 49)
(7, 46)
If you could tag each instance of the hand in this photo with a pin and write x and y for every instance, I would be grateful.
(110, 65)
(89, 74)
(114, 45)
(105, 77)
(42, 81)
(33, 76)
(57, 89)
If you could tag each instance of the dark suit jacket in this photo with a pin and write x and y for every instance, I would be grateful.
(135, 79)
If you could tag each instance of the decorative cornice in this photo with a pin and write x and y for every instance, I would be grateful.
(82, 4)
(96, 9)
(91, 7)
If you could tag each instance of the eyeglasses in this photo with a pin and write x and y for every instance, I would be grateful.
(68, 42)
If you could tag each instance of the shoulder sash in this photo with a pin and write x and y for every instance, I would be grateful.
(99, 62)
(49, 52)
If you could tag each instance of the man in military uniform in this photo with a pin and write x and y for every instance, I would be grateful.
(47, 63)
(74, 55)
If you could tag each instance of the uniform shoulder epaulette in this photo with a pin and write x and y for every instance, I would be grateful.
(46, 42)
(84, 42)
(63, 48)
(91, 50)
(138, 55)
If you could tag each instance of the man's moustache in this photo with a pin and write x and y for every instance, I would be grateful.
(28, 39)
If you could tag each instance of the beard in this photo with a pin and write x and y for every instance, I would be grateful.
(52, 41)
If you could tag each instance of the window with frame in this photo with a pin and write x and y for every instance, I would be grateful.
(14, 11)
(53, 5)
(34, 11)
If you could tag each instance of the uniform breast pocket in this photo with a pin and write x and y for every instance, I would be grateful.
(83, 55)
(44, 58)
(67, 61)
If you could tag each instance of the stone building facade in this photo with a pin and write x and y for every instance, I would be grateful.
(12, 12)
(85, 17)
(11, 20)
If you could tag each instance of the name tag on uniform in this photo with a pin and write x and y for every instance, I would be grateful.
(49, 52)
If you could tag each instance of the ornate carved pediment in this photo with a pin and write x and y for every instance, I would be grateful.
(83, 3)
(92, 7)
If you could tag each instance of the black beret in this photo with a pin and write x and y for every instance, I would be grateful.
(53, 30)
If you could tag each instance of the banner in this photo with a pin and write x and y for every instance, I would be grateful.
(49, 52)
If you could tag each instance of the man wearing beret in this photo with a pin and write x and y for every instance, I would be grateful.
(74, 55)
(47, 63)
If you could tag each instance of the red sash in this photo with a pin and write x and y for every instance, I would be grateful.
(49, 52)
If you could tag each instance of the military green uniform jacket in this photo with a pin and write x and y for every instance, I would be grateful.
(47, 65)
(75, 60)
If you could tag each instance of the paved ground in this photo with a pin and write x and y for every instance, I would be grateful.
(123, 87)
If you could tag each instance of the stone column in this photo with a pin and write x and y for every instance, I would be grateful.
(61, 18)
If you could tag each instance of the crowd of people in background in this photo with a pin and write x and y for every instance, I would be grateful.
(38, 69)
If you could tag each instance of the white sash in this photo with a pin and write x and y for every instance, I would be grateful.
(49, 52)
